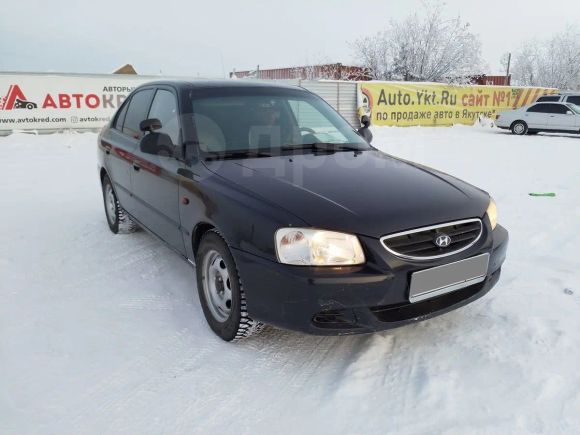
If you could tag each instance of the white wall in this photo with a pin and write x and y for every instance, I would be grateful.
(62, 101)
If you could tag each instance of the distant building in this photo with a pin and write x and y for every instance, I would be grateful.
(483, 79)
(126, 69)
(333, 71)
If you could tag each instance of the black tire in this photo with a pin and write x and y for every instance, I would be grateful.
(235, 324)
(117, 218)
(519, 128)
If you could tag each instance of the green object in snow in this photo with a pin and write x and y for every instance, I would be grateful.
(550, 194)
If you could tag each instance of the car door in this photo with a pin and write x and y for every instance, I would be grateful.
(561, 117)
(154, 177)
(120, 144)
(537, 116)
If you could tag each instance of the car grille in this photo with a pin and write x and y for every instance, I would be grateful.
(420, 244)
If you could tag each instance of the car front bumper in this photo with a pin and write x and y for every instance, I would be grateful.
(356, 299)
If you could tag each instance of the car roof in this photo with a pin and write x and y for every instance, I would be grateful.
(561, 94)
(549, 102)
(527, 106)
(205, 84)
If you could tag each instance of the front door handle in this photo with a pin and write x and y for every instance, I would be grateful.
(136, 167)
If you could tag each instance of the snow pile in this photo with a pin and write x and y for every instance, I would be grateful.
(105, 334)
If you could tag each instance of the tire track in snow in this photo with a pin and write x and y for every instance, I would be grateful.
(110, 396)
(288, 360)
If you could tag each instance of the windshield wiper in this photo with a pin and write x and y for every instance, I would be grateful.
(322, 146)
(232, 155)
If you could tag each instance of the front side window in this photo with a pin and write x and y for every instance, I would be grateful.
(575, 99)
(137, 112)
(250, 119)
(164, 108)
(559, 109)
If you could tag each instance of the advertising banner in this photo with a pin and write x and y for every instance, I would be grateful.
(61, 101)
(433, 104)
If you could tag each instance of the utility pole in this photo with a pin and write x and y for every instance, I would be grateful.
(507, 74)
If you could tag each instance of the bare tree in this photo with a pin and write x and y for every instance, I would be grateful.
(422, 47)
(375, 53)
(524, 70)
(554, 62)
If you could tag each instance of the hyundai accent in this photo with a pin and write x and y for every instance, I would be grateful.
(289, 216)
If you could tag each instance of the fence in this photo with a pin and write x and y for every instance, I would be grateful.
(49, 102)
(53, 102)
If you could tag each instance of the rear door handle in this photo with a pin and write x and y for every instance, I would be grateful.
(136, 167)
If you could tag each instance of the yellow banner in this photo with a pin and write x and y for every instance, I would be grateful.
(432, 104)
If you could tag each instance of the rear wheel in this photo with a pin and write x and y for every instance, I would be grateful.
(221, 292)
(117, 218)
(519, 127)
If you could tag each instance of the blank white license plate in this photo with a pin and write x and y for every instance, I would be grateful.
(439, 280)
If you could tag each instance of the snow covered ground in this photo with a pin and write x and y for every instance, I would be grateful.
(105, 334)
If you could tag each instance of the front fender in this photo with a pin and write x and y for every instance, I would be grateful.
(246, 221)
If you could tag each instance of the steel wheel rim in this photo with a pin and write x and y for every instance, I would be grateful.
(217, 286)
(519, 128)
(110, 204)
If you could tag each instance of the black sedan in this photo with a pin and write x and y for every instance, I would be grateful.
(289, 216)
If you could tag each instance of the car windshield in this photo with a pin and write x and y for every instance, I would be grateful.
(256, 121)
(575, 108)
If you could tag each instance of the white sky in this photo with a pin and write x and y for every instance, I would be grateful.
(209, 38)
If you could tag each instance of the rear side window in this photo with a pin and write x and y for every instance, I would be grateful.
(121, 117)
(541, 108)
(137, 112)
(547, 98)
(575, 99)
(164, 108)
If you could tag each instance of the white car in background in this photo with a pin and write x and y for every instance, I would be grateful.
(563, 97)
(549, 117)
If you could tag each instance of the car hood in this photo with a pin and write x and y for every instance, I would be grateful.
(368, 193)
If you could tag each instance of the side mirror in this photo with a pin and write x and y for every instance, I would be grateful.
(150, 124)
(365, 121)
(157, 144)
(569, 112)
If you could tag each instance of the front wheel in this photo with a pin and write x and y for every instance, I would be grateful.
(220, 290)
(520, 128)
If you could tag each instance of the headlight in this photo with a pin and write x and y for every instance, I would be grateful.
(310, 247)
(492, 213)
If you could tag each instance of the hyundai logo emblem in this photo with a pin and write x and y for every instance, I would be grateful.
(442, 240)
